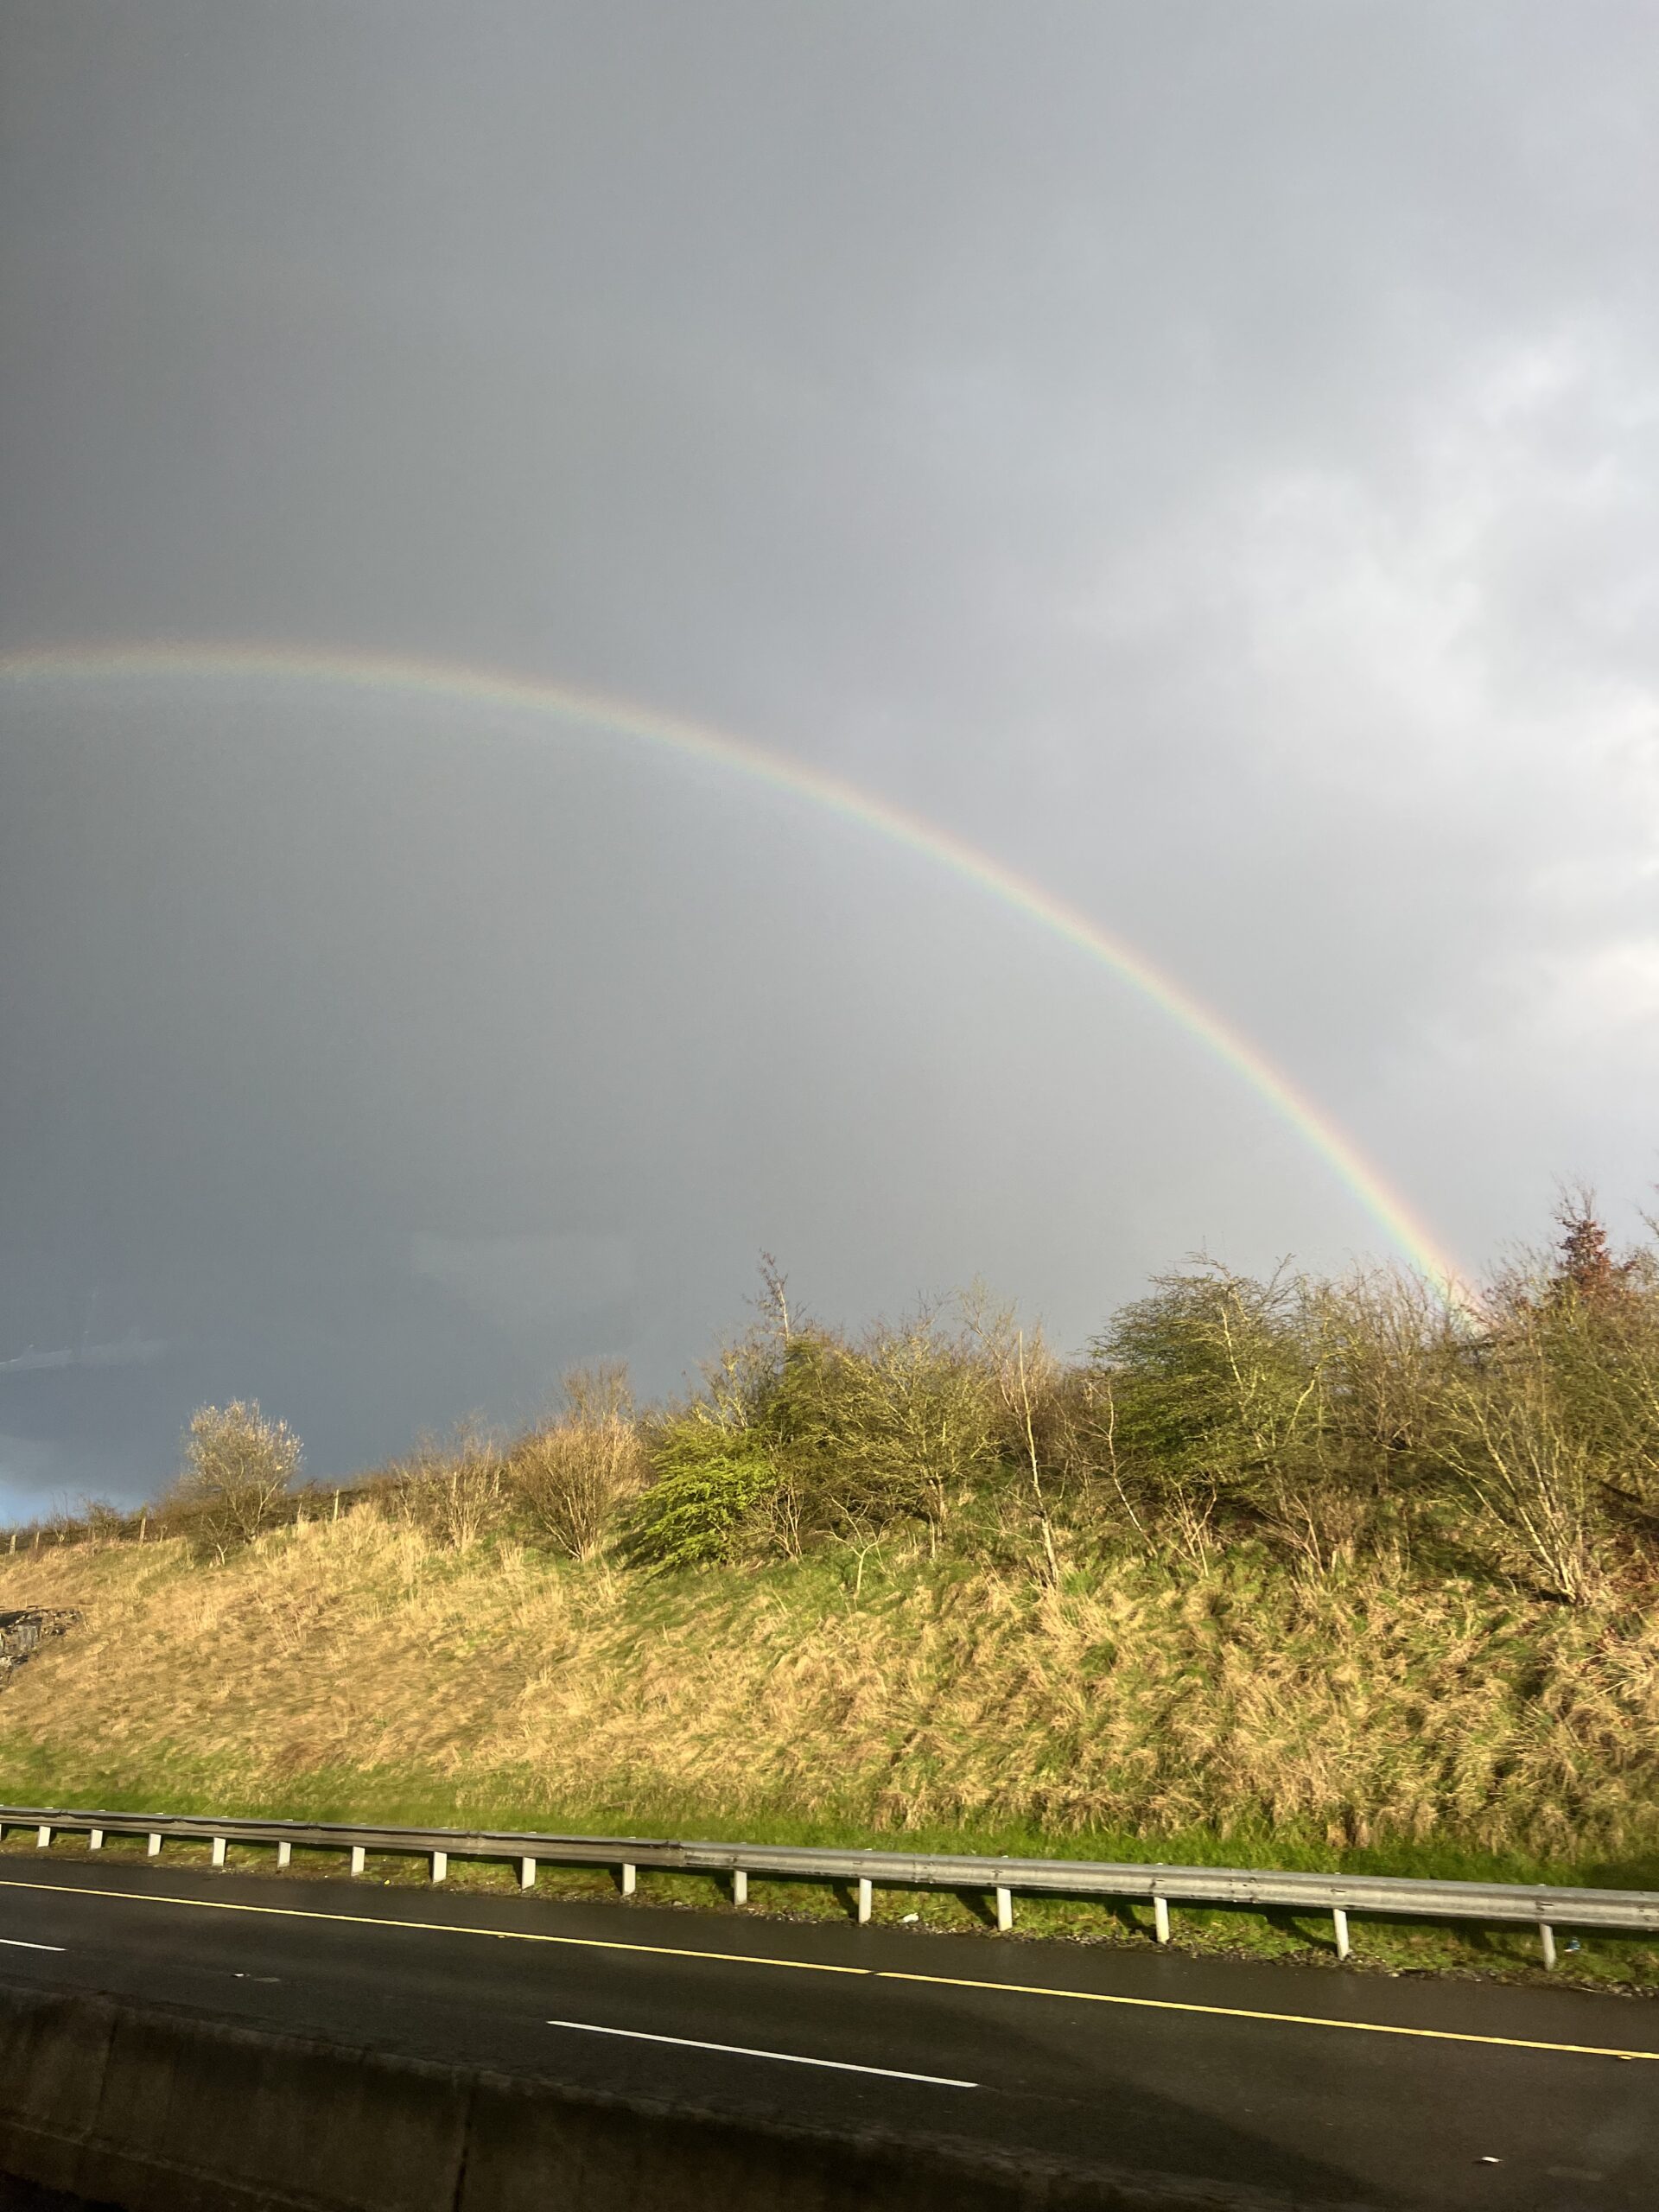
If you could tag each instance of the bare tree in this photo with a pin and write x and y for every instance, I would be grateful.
(237, 1467)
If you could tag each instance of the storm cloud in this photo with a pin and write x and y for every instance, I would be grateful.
(1206, 457)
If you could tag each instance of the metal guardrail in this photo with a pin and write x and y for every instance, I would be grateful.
(1539, 1906)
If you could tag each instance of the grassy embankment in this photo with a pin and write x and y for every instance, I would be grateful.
(1241, 1712)
(1295, 1573)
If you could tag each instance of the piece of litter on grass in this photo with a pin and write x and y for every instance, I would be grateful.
(907, 1917)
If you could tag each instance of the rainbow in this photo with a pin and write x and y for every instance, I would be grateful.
(455, 682)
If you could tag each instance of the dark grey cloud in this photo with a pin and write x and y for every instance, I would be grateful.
(1205, 455)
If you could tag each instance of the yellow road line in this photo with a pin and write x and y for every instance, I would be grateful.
(816, 1965)
(429, 1927)
(1291, 2020)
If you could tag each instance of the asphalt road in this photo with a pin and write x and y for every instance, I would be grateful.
(1322, 2086)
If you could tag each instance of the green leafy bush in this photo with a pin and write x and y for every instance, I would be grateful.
(713, 1479)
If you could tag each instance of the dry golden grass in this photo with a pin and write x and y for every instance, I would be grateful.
(1245, 1701)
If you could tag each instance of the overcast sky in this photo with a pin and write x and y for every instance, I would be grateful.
(1203, 454)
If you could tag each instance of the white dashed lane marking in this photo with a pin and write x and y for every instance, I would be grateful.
(742, 2050)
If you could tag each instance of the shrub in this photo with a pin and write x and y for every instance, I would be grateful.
(104, 1522)
(713, 1479)
(452, 1492)
(898, 1427)
(1507, 1436)
(570, 1479)
(1221, 1396)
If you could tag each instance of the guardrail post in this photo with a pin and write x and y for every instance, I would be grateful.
(1161, 1919)
(43, 1837)
(153, 1848)
(865, 1895)
(359, 1858)
(527, 1873)
(1339, 1919)
(218, 1851)
(629, 1879)
(1004, 1909)
(439, 1866)
(1547, 1937)
(739, 1886)
(284, 1852)
(95, 1841)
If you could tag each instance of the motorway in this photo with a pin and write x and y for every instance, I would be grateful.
(1318, 2087)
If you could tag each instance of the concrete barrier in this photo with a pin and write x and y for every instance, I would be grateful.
(154, 2109)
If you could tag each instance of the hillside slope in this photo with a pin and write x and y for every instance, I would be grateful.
(355, 1670)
